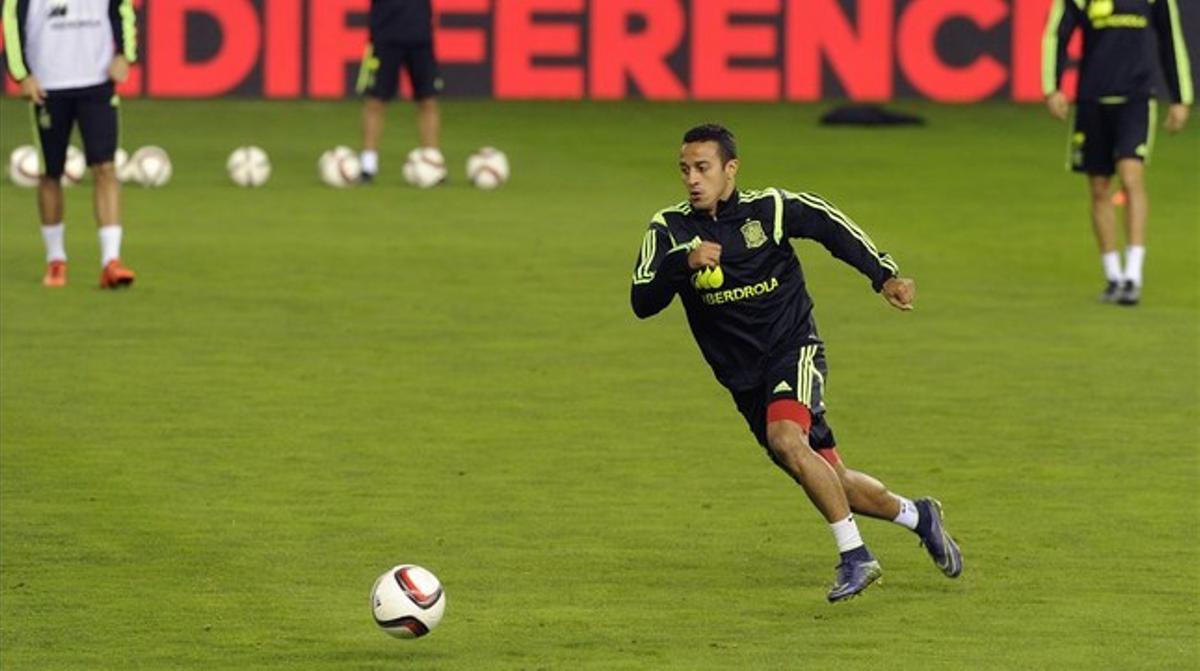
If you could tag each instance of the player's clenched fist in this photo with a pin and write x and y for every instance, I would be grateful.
(707, 255)
(900, 292)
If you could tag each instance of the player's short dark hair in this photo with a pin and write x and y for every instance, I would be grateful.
(712, 132)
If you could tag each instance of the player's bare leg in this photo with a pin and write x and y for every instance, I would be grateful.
(50, 200)
(429, 122)
(373, 113)
(50, 210)
(870, 497)
(106, 199)
(788, 442)
(1137, 211)
(1104, 225)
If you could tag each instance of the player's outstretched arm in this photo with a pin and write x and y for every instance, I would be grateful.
(900, 292)
(807, 215)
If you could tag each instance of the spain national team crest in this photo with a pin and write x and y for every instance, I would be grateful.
(753, 233)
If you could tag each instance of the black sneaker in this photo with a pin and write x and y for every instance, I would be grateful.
(366, 177)
(1131, 294)
(1112, 291)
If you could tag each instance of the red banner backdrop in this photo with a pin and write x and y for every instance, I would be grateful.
(763, 50)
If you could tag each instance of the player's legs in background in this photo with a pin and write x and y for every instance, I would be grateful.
(50, 200)
(98, 125)
(54, 231)
(1137, 209)
(429, 122)
(373, 113)
(52, 123)
(106, 198)
(1104, 225)
(427, 83)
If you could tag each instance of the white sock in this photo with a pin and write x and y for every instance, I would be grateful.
(845, 533)
(908, 514)
(370, 161)
(1112, 266)
(110, 243)
(1134, 255)
(55, 237)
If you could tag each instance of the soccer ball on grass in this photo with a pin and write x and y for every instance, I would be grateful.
(425, 167)
(339, 167)
(248, 166)
(407, 601)
(487, 168)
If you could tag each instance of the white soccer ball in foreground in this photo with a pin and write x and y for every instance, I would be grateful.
(75, 166)
(151, 166)
(425, 167)
(487, 168)
(25, 166)
(407, 601)
(339, 167)
(248, 166)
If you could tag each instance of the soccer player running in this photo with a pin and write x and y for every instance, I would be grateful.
(67, 57)
(401, 34)
(1115, 113)
(727, 254)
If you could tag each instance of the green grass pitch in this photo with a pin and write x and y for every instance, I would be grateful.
(307, 386)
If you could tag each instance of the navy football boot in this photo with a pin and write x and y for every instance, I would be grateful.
(856, 572)
(937, 541)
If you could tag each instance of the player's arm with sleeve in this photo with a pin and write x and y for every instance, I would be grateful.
(123, 21)
(1173, 54)
(1062, 21)
(807, 215)
(14, 12)
(661, 266)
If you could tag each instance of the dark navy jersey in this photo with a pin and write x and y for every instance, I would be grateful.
(401, 21)
(1118, 50)
(754, 304)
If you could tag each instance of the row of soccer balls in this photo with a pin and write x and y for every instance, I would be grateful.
(424, 167)
(148, 166)
(250, 166)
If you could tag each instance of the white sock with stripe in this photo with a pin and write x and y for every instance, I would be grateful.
(1134, 255)
(1112, 266)
(55, 239)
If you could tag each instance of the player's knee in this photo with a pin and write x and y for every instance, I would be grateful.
(787, 443)
(105, 172)
(1131, 181)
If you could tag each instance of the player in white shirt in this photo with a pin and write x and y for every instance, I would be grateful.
(68, 56)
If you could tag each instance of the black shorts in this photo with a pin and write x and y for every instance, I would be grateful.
(379, 74)
(797, 375)
(94, 108)
(1104, 133)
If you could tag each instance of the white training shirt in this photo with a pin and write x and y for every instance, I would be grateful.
(70, 43)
